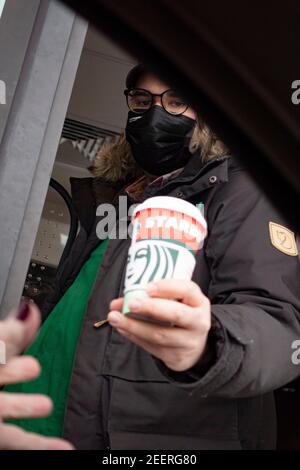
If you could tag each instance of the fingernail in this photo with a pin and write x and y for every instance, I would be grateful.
(23, 312)
(151, 288)
(114, 319)
(110, 304)
(134, 305)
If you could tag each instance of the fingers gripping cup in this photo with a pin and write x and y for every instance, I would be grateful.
(167, 234)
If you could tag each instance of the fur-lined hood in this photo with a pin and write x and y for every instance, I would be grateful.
(115, 163)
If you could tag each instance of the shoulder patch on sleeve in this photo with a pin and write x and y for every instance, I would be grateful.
(283, 239)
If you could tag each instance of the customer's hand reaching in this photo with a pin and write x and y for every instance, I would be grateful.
(16, 333)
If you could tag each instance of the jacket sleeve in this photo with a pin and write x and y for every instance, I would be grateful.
(255, 295)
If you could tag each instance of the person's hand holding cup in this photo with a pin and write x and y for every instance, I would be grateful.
(163, 311)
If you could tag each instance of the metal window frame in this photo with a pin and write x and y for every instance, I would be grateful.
(31, 138)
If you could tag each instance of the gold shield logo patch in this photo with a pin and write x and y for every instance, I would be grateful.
(283, 239)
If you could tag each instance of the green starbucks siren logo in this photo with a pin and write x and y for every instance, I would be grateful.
(148, 262)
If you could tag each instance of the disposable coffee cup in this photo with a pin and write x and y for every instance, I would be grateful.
(167, 234)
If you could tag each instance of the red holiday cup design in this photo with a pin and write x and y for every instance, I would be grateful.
(166, 224)
(167, 233)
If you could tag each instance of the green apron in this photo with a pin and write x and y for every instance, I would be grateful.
(55, 348)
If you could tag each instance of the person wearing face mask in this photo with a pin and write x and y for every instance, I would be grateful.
(159, 140)
(207, 380)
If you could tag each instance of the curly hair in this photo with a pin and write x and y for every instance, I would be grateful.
(205, 141)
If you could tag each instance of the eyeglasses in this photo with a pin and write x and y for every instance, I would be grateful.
(140, 101)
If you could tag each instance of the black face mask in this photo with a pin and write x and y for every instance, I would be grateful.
(159, 141)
